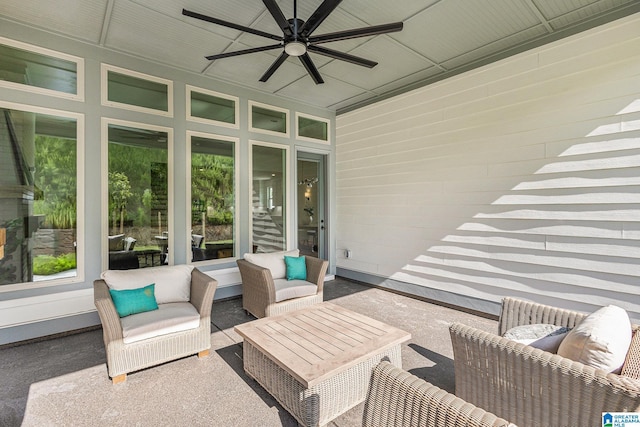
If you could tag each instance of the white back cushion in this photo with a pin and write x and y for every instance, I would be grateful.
(601, 340)
(173, 283)
(274, 261)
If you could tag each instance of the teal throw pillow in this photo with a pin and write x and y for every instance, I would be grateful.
(296, 267)
(132, 301)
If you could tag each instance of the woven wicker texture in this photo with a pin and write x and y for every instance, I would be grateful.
(631, 367)
(259, 293)
(317, 405)
(532, 387)
(124, 358)
(398, 399)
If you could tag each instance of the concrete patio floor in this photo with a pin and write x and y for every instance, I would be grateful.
(64, 382)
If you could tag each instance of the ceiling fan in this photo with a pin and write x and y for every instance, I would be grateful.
(297, 39)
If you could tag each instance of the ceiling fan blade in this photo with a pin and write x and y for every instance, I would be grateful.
(227, 24)
(242, 52)
(318, 16)
(276, 64)
(311, 68)
(277, 14)
(357, 32)
(342, 56)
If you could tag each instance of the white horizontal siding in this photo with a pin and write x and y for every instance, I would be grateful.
(520, 178)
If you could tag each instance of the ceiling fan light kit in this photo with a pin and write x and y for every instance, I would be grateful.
(296, 39)
(295, 48)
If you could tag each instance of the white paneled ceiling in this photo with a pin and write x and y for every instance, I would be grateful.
(440, 38)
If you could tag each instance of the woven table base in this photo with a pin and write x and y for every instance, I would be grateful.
(323, 402)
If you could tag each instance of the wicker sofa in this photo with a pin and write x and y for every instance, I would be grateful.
(397, 398)
(532, 387)
(160, 338)
(261, 289)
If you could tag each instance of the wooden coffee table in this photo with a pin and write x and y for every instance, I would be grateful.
(317, 361)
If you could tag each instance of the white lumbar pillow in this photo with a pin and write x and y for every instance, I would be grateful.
(274, 261)
(173, 283)
(601, 340)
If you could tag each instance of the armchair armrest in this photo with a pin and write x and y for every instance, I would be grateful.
(107, 311)
(532, 387)
(398, 398)
(203, 288)
(316, 270)
(258, 289)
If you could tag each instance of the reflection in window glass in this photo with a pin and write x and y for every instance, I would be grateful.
(311, 128)
(138, 198)
(38, 219)
(268, 119)
(211, 107)
(269, 204)
(138, 92)
(212, 198)
(39, 70)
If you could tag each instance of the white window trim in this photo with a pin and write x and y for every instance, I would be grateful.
(78, 96)
(287, 191)
(104, 154)
(80, 212)
(316, 118)
(104, 90)
(269, 107)
(236, 203)
(235, 99)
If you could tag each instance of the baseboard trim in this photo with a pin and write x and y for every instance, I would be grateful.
(478, 307)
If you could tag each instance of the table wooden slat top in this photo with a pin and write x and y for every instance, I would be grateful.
(317, 342)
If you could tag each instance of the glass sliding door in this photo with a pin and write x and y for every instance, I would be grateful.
(311, 204)
(269, 197)
(138, 197)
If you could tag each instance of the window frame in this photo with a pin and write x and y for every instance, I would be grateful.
(80, 200)
(286, 111)
(299, 137)
(80, 71)
(104, 185)
(287, 225)
(236, 201)
(190, 89)
(104, 90)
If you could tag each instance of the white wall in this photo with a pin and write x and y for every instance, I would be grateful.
(520, 178)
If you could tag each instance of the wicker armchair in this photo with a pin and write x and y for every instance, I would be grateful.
(123, 358)
(533, 387)
(259, 288)
(397, 398)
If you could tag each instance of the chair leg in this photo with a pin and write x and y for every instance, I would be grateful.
(119, 379)
(203, 353)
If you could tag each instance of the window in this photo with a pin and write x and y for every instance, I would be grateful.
(40, 214)
(137, 225)
(136, 91)
(310, 128)
(213, 196)
(269, 196)
(35, 69)
(268, 119)
(210, 107)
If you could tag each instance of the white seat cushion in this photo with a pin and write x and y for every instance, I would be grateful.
(288, 289)
(274, 261)
(173, 283)
(167, 319)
